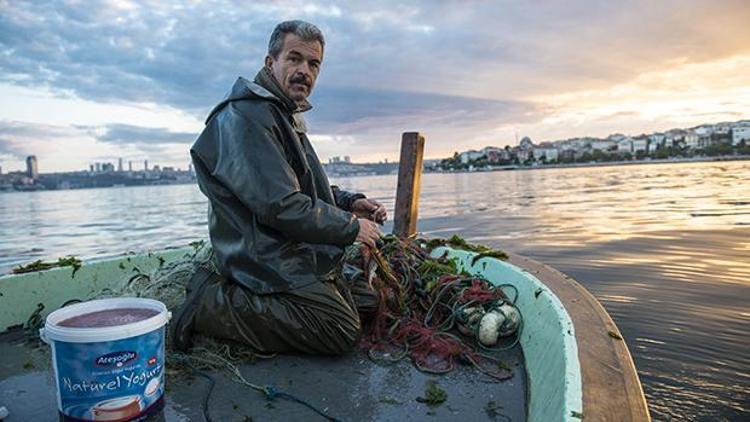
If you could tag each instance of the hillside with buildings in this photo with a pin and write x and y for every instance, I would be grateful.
(708, 140)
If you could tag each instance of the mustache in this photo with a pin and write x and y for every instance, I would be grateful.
(300, 79)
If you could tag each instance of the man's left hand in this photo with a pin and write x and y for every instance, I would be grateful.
(370, 209)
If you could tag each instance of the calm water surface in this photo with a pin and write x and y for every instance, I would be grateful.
(665, 248)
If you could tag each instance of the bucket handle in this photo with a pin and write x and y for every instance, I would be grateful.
(43, 336)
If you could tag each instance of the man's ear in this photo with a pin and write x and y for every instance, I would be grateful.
(269, 61)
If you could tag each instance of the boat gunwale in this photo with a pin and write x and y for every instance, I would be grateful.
(611, 387)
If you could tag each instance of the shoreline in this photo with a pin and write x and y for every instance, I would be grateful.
(602, 164)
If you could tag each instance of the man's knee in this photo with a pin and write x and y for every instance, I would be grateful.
(342, 333)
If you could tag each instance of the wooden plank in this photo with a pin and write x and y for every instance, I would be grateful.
(409, 178)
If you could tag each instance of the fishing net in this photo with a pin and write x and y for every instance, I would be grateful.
(428, 310)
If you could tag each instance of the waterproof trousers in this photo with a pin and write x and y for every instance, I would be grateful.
(321, 318)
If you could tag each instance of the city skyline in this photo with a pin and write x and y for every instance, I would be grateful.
(135, 80)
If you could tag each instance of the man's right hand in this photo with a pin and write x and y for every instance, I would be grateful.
(369, 232)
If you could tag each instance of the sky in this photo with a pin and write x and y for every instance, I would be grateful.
(93, 81)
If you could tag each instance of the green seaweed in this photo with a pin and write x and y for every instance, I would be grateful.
(39, 265)
(492, 409)
(577, 415)
(457, 242)
(491, 254)
(433, 395)
(389, 400)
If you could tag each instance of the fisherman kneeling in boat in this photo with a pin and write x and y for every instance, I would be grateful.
(277, 227)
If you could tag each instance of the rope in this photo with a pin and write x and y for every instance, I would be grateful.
(205, 359)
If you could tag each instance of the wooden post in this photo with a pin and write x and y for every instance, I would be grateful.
(409, 176)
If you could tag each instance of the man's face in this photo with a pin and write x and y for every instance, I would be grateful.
(297, 66)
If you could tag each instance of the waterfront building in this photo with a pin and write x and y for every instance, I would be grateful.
(625, 145)
(691, 139)
(739, 134)
(603, 145)
(640, 143)
(495, 154)
(549, 154)
(470, 155)
(32, 168)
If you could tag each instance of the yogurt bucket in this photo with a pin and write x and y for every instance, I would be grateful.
(108, 358)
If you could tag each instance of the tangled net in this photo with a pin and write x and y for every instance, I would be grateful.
(422, 303)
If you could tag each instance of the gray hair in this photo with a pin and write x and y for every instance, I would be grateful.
(302, 29)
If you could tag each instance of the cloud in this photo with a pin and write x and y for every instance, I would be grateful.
(74, 147)
(138, 135)
(466, 71)
(187, 54)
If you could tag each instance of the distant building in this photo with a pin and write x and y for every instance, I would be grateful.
(145, 165)
(119, 164)
(347, 159)
(32, 168)
(640, 143)
(495, 154)
(691, 140)
(91, 168)
(603, 145)
(625, 145)
(740, 134)
(130, 165)
(98, 167)
(108, 167)
(548, 154)
(526, 143)
(470, 155)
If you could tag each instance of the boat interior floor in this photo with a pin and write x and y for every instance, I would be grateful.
(349, 388)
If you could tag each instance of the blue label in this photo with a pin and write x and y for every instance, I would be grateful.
(115, 380)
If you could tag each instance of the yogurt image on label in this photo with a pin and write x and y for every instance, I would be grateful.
(152, 387)
(117, 409)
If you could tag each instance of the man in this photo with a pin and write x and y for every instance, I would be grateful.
(277, 227)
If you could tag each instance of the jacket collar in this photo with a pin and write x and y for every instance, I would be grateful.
(267, 82)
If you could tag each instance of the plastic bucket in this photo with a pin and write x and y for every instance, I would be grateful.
(112, 373)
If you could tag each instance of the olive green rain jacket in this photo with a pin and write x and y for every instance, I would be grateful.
(275, 222)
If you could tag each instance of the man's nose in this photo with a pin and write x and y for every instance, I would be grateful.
(305, 69)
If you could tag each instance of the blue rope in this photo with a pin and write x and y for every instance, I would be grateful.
(272, 393)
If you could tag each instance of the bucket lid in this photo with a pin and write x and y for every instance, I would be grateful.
(52, 331)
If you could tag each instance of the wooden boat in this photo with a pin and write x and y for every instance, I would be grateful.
(572, 362)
